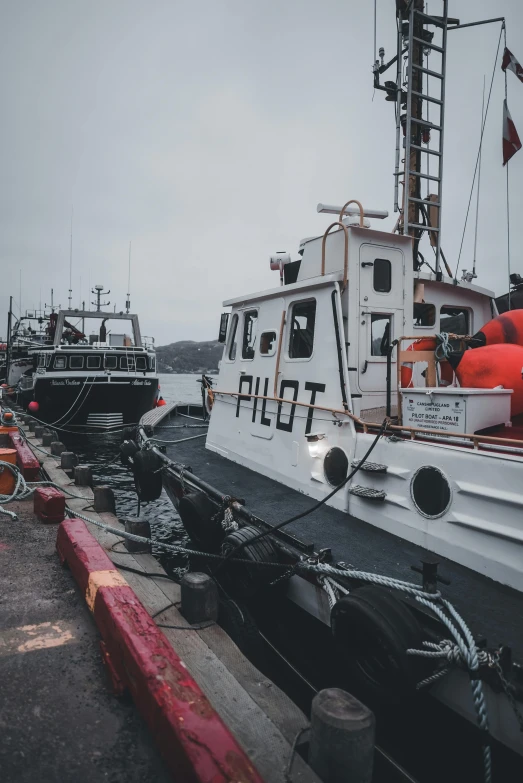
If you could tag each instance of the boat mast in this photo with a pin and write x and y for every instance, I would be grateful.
(413, 131)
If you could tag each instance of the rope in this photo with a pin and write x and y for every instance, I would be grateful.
(24, 489)
(508, 197)
(182, 440)
(479, 152)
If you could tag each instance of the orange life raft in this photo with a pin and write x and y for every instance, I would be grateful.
(505, 328)
(491, 366)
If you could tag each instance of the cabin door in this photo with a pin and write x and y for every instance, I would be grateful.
(381, 312)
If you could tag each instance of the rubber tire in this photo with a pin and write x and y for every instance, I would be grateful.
(372, 618)
(147, 476)
(128, 448)
(247, 580)
(197, 512)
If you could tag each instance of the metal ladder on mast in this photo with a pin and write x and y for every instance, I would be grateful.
(417, 129)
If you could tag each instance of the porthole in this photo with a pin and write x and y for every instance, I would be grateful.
(430, 492)
(335, 466)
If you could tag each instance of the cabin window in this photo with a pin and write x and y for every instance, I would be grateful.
(111, 362)
(141, 363)
(250, 322)
(60, 362)
(76, 362)
(424, 314)
(127, 362)
(382, 275)
(380, 334)
(303, 319)
(268, 343)
(41, 360)
(232, 338)
(455, 320)
(152, 363)
(93, 362)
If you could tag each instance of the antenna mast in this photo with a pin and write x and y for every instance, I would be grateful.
(128, 302)
(99, 292)
(71, 265)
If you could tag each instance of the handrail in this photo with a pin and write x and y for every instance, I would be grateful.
(353, 201)
(345, 255)
(376, 425)
(277, 369)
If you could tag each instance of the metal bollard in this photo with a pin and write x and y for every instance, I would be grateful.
(39, 431)
(83, 476)
(68, 460)
(342, 738)
(47, 438)
(199, 598)
(138, 527)
(57, 447)
(104, 499)
(31, 425)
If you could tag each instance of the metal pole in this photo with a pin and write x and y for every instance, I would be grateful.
(508, 200)
(475, 24)
(479, 181)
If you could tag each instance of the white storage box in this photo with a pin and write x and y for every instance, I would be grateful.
(455, 409)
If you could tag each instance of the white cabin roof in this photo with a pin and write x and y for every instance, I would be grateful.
(310, 282)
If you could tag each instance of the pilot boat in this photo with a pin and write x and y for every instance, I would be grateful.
(96, 371)
(367, 421)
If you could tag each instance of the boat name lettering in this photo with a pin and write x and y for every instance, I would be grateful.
(246, 384)
(66, 382)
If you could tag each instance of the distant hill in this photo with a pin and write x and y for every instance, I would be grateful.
(189, 356)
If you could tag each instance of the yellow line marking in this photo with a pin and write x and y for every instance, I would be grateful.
(36, 637)
(97, 579)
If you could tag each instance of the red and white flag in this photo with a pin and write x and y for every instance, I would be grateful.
(511, 142)
(510, 62)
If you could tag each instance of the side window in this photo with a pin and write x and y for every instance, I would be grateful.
(382, 275)
(424, 314)
(141, 363)
(127, 363)
(268, 343)
(93, 362)
(152, 363)
(455, 320)
(232, 337)
(41, 360)
(60, 362)
(302, 322)
(380, 334)
(110, 362)
(76, 362)
(250, 322)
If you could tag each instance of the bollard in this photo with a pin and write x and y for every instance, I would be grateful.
(39, 431)
(83, 476)
(68, 460)
(104, 499)
(199, 598)
(342, 738)
(47, 438)
(138, 527)
(31, 425)
(57, 447)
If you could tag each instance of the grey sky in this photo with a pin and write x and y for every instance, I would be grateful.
(207, 132)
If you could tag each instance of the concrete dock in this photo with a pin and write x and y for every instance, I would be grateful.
(44, 600)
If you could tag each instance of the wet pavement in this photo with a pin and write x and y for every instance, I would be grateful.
(59, 721)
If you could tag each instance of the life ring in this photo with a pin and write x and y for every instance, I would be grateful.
(209, 400)
(406, 372)
(373, 629)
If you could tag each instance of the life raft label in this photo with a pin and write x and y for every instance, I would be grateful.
(433, 413)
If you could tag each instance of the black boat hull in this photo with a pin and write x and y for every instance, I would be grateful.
(82, 401)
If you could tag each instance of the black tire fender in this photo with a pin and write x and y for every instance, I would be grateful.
(248, 579)
(373, 629)
(147, 475)
(201, 520)
(128, 449)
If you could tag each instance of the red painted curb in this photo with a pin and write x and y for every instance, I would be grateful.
(49, 504)
(25, 459)
(197, 745)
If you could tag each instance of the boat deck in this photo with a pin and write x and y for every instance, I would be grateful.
(492, 610)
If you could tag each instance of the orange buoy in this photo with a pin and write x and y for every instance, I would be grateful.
(505, 328)
(491, 366)
(8, 416)
(425, 344)
(33, 407)
(160, 402)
